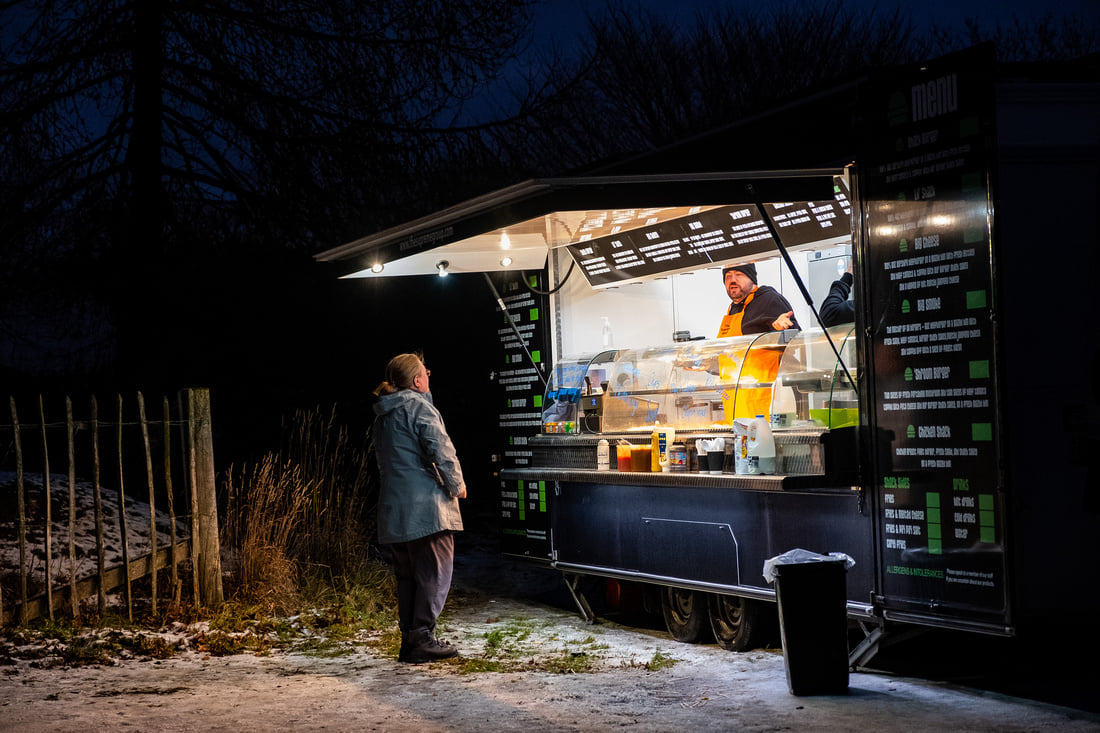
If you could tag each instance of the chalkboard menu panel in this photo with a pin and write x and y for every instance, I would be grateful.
(524, 505)
(688, 243)
(926, 182)
(710, 237)
(806, 222)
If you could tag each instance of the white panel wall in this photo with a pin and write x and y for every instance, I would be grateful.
(648, 313)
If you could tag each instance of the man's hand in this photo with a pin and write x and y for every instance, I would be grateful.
(783, 322)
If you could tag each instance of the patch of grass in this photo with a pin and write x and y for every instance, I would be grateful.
(507, 642)
(661, 660)
(220, 644)
(567, 663)
(473, 665)
(82, 652)
(145, 645)
(386, 644)
(324, 647)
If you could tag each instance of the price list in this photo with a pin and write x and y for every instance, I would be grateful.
(524, 512)
(722, 234)
(929, 253)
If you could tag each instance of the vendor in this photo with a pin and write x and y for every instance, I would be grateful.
(754, 309)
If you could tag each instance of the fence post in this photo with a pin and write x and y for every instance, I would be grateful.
(122, 528)
(171, 506)
(74, 602)
(152, 498)
(208, 571)
(22, 520)
(101, 571)
(47, 499)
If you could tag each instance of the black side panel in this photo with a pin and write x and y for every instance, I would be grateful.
(518, 374)
(708, 535)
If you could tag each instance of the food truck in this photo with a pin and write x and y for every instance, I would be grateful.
(945, 440)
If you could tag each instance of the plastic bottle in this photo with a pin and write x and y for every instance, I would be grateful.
(655, 451)
(761, 445)
(742, 464)
(603, 456)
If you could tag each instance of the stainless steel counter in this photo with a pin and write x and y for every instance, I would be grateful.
(817, 484)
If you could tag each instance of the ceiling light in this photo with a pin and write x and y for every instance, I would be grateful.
(442, 266)
(377, 267)
(505, 261)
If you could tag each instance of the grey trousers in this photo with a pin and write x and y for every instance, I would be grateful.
(423, 568)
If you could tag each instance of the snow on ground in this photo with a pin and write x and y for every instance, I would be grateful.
(138, 525)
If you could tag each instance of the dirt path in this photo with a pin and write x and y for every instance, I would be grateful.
(499, 618)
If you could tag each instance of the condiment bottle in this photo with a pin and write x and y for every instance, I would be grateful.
(655, 451)
(603, 456)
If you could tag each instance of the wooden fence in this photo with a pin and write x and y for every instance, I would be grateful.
(116, 440)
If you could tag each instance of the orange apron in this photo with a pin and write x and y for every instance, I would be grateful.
(762, 365)
(731, 324)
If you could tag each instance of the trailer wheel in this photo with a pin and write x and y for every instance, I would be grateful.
(685, 613)
(740, 624)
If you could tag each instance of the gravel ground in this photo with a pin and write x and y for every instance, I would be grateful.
(518, 615)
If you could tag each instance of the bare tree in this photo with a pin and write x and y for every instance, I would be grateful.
(136, 134)
(653, 81)
(1043, 39)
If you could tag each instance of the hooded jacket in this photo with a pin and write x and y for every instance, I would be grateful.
(421, 477)
(767, 305)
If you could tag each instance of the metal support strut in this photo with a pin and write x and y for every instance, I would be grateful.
(572, 581)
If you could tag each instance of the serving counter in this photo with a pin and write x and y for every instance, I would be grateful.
(693, 526)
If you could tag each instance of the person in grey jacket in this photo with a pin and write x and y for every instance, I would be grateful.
(418, 503)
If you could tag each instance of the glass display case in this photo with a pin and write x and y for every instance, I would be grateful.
(792, 378)
(693, 385)
(574, 393)
(812, 388)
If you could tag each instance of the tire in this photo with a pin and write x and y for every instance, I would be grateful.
(740, 624)
(685, 613)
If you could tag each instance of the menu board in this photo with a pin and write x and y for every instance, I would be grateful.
(710, 237)
(704, 238)
(926, 181)
(524, 508)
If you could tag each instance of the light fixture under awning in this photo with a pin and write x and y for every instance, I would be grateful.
(524, 222)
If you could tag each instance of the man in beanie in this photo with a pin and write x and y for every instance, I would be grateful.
(755, 309)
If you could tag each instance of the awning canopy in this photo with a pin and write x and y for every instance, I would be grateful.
(515, 228)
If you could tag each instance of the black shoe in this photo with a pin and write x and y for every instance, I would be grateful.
(430, 651)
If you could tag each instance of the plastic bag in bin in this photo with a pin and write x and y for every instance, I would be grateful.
(798, 557)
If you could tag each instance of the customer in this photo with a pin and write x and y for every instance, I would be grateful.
(418, 506)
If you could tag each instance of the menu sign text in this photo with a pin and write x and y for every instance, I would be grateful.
(710, 237)
(926, 186)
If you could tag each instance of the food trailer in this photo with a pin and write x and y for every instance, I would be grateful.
(944, 440)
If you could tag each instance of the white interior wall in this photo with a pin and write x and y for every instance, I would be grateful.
(647, 314)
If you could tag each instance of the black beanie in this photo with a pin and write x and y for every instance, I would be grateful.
(749, 269)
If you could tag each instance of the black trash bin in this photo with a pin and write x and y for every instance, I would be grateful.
(813, 624)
